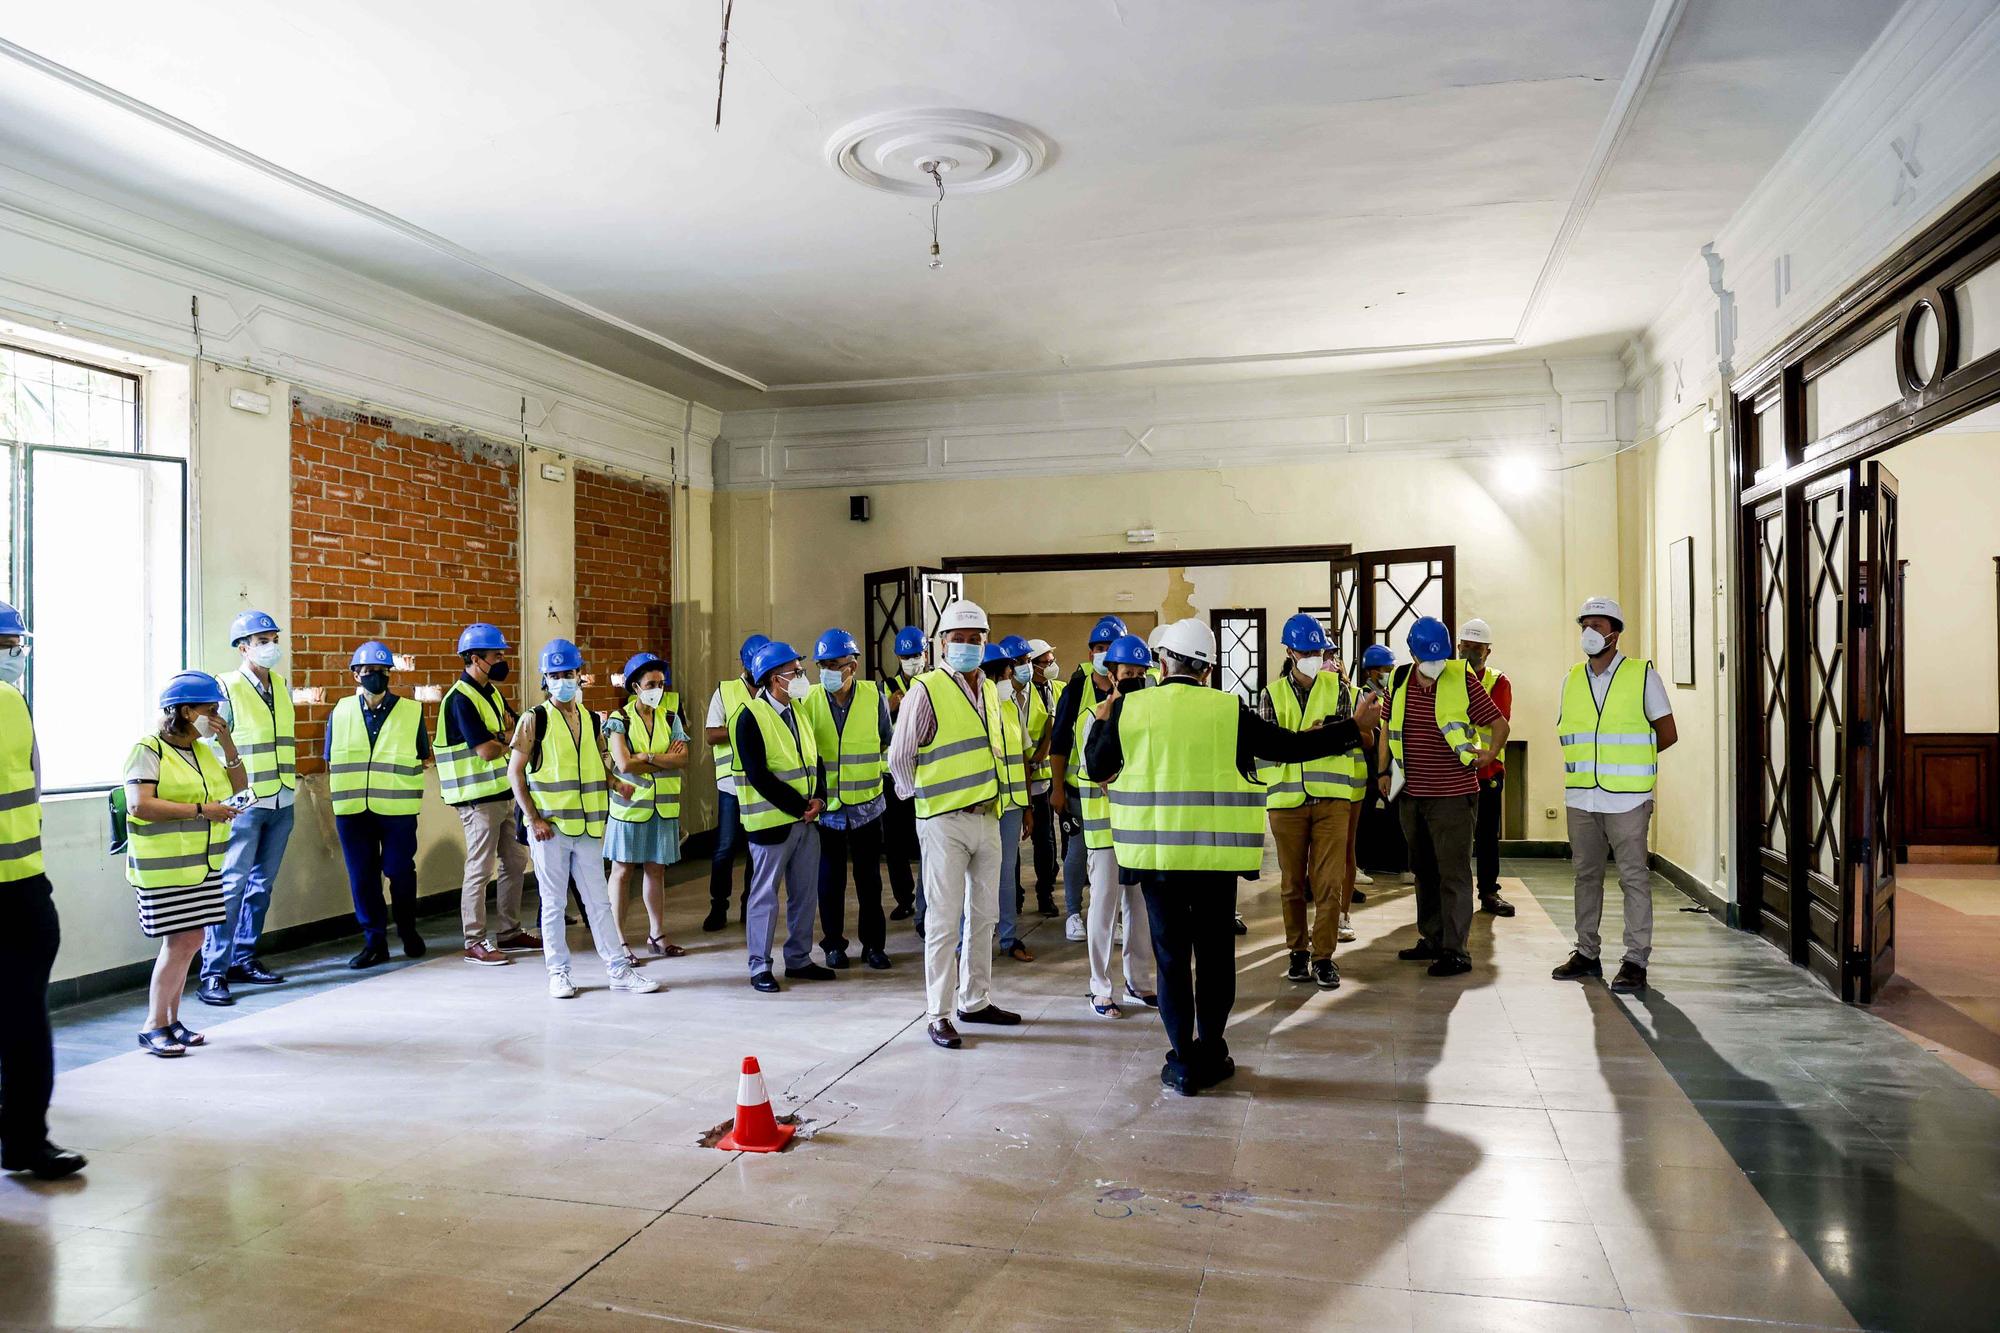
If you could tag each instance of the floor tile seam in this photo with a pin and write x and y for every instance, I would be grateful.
(611, 1307)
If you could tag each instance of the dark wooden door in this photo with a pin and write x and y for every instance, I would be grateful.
(1395, 588)
(1770, 550)
(1875, 730)
(888, 600)
(1343, 619)
(1830, 558)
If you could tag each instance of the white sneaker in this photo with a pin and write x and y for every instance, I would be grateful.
(1073, 928)
(1409, 877)
(633, 980)
(1363, 877)
(560, 986)
(1346, 931)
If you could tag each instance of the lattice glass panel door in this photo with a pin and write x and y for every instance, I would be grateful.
(1876, 739)
(1343, 619)
(1396, 588)
(1239, 642)
(1770, 591)
(887, 607)
(936, 591)
(1826, 582)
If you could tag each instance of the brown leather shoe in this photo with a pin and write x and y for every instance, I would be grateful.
(481, 953)
(1019, 953)
(520, 939)
(944, 1034)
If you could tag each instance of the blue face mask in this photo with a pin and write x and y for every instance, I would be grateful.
(830, 680)
(563, 689)
(963, 657)
(1024, 673)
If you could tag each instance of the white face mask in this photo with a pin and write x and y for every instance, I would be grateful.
(1310, 666)
(1593, 643)
(14, 664)
(912, 666)
(651, 698)
(1097, 663)
(267, 655)
(831, 680)
(204, 725)
(797, 688)
(1024, 673)
(1431, 670)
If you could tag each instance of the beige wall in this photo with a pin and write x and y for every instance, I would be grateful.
(790, 562)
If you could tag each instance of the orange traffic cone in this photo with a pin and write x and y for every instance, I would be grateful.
(757, 1130)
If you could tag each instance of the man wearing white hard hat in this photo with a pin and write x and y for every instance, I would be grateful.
(1614, 722)
(1475, 645)
(947, 757)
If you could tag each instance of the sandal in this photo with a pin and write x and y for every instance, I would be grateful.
(161, 1042)
(631, 959)
(664, 947)
(1108, 1009)
(186, 1035)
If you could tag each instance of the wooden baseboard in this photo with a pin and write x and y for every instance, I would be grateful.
(1938, 855)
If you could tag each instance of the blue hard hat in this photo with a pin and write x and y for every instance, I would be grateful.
(835, 643)
(1376, 655)
(994, 653)
(1430, 641)
(638, 664)
(481, 637)
(909, 642)
(748, 652)
(11, 622)
(770, 655)
(372, 653)
(1128, 649)
(1106, 629)
(191, 687)
(241, 628)
(561, 655)
(1013, 645)
(1304, 634)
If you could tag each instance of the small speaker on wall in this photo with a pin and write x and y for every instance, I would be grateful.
(859, 509)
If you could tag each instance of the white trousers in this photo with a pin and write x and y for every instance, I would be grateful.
(1107, 897)
(562, 863)
(961, 859)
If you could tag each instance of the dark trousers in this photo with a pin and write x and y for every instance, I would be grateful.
(1044, 839)
(378, 846)
(836, 848)
(1193, 919)
(899, 844)
(1486, 833)
(1439, 831)
(728, 846)
(27, 1050)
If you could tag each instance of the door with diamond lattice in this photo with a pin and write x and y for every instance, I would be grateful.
(1769, 548)
(1830, 559)
(1393, 589)
(1875, 741)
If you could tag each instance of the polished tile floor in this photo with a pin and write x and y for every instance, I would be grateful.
(1946, 992)
(444, 1147)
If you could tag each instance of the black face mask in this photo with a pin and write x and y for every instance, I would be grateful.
(375, 682)
(498, 670)
(1130, 683)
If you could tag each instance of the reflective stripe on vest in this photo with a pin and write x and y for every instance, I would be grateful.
(961, 766)
(179, 853)
(735, 694)
(1613, 748)
(1179, 803)
(853, 751)
(652, 793)
(1453, 705)
(385, 778)
(20, 805)
(1341, 776)
(569, 784)
(463, 776)
(791, 761)
(1487, 680)
(266, 734)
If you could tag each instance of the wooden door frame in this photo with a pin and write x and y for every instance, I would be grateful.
(1152, 558)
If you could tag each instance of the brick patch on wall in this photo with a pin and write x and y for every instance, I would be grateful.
(624, 577)
(402, 533)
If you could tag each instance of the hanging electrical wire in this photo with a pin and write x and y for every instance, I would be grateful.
(936, 175)
(722, 73)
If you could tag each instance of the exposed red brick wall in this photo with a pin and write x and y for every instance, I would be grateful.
(624, 576)
(398, 536)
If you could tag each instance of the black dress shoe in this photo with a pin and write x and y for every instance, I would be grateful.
(837, 960)
(1450, 965)
(414, 946)
(1047, 907)
(1298, 966)
(1494, 905)
(810, 972)
(1576, 967)
(48, 1162)
(372, 954)
(1179, 1078)
(991, 1013)
(254, 973)
(717, 918)
(1325, 975)
(944, 1034)
(765, 982)
(1360, 896)
(876, 958)
(1631, 979)
(1219, 1072)
(902, 912)
(1423, 951)
(215, 991)
(1242, 926)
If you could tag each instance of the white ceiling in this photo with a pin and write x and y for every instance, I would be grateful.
(1232, 180)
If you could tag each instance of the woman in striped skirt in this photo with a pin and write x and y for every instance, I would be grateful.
(177, 793)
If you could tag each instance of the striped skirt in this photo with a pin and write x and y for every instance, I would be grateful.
(164, 911)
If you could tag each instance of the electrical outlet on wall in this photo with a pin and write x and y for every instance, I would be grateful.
(1548, 812)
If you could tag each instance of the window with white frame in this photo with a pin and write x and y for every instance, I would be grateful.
(95, 540)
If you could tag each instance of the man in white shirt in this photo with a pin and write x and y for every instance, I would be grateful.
(1614, 721)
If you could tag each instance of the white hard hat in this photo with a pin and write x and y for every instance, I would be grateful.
(962, 614)
(1037, 647)
(1603, 606)
(1475, 631)
(1153, 639)
(1191, 639)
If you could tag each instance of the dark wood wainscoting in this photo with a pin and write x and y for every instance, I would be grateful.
(1949, 792)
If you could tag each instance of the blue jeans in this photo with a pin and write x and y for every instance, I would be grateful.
(257, 839)
(1076, 865)
(1010, 860)
(728, 843)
